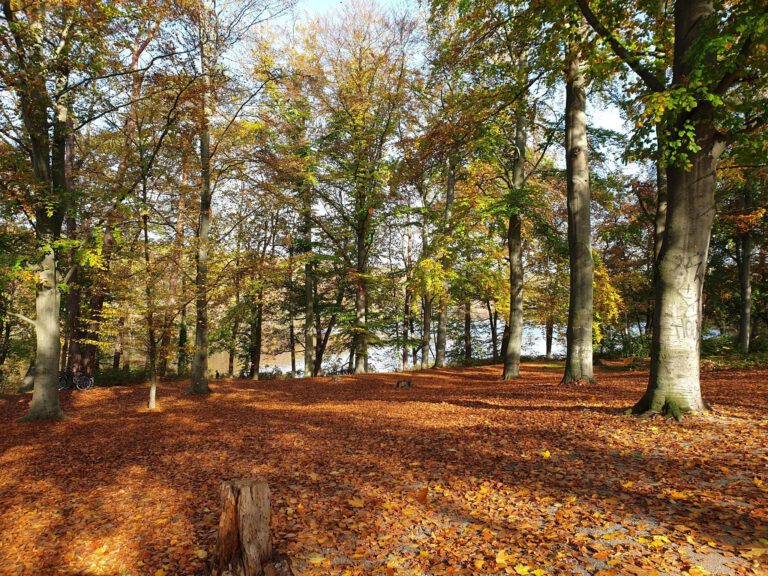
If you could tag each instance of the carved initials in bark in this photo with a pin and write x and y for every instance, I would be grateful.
(244, 547)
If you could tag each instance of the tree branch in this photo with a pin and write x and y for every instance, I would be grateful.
(621, 51)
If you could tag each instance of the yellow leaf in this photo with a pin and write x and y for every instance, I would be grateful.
(546, 454)
(315, 559)
(356, 502)
(160, 572)
(539, 572)
(200, 553)
(479, 563)
(502, 558)
(522, 569)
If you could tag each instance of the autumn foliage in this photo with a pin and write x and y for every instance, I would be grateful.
(461, 474)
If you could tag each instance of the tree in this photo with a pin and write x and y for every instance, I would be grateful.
(716, 95)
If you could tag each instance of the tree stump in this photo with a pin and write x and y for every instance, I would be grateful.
(244, 546)
(404, 384)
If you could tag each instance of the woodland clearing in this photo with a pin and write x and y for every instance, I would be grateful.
(461, 474)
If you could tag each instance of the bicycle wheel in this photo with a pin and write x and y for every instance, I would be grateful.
(83, 382)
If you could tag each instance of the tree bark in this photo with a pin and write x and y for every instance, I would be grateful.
(426, 331)
(441, 340)
(548, 337)
(745, 280)
(467, 332)
(244, 543)
(199, 376)
(674, 384)
(514, 342)
(578, 364)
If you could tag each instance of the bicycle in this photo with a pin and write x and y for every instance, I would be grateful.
(80, 381)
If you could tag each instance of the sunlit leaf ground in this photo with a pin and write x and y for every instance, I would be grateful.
(461, 474)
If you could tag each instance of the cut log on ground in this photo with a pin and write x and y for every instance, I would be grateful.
(244, 547)
(404, 384)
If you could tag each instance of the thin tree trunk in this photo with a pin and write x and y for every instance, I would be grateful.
(310, 341)
(441, 341)
(118, 350)
(150, 316)
(549, 333)
(361, 301)
(468, 332)
(745, 280)
(426, 331)
(578, 364)
(257, 327)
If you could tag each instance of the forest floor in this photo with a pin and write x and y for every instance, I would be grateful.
(461, 474)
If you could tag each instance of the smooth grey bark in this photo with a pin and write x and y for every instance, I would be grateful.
(514, 341)
(149, 296)
(426, 331)
(660, 219)
(578, 363)
(361, 297)
(310, 334)
(256, 332)
(745, 279)
(674, 384)
(199, 375)
(47, 153)
(441, 338)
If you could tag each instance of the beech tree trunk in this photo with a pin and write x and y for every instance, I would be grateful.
(674, 384)
(514, 342)
(745, 280)
(426, 332)
(45, 394)
(441, 340)
(578, 364)
(199, 376)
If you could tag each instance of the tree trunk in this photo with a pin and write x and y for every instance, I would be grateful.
(45, 395)
(548, 337)
(361, 338)
(468, 332)
(426, 331)
(441, 336)
(244, 543)
(514, 340)
(150, 303)
(514, 343)
(199, 376)
(406, 325)
(257, 328)
(674, 384)
(441, 341)
(310, 342)
(745, 280)
(118, 350)
(578, 364)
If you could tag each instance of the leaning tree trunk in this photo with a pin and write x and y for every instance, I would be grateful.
(514, 343)
(578, 363)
